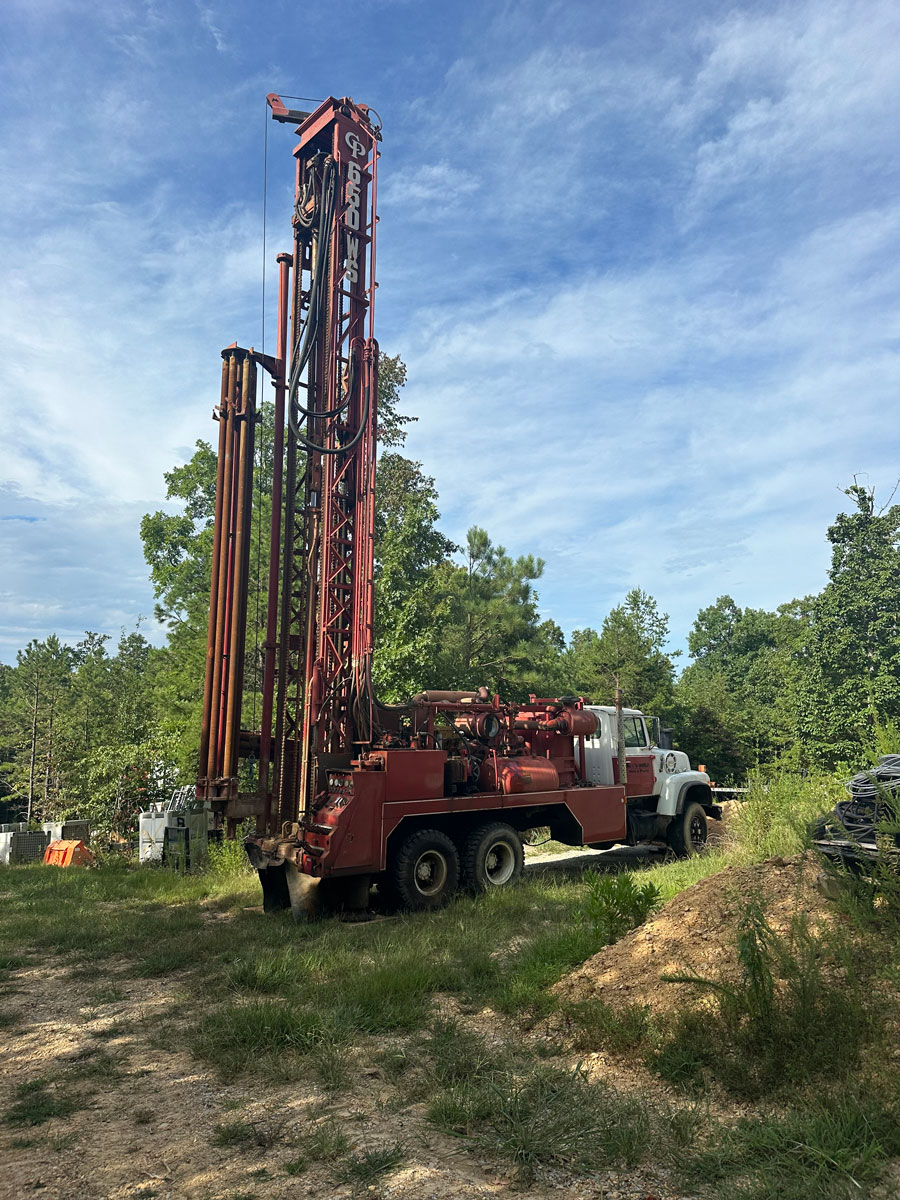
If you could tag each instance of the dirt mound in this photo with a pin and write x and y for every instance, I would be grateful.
(697, 932)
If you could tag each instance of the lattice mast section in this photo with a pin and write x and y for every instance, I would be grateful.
(324, 700)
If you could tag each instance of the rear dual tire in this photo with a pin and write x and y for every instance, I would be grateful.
(428, 868)
(492, 857)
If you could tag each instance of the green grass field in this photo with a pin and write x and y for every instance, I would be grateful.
(264, 998)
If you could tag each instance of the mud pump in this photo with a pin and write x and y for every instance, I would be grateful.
(420, 798)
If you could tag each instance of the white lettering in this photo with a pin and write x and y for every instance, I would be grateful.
(357, 149)
(353, 197)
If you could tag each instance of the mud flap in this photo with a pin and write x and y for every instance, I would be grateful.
(301, 890)
(276, 896)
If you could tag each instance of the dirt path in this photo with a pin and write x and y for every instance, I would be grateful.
(147, 1111)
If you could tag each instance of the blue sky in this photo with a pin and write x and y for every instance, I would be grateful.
(642, 261)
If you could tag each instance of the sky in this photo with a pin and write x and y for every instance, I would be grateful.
(642, 262)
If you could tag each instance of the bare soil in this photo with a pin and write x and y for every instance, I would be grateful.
(146, 1122)
(696, 932)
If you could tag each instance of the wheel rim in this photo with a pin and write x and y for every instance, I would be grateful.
(698, 832)
(430, 873)
(499, 863)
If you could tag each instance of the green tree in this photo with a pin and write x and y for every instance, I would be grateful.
(849, 661)
(410, 612)
(630, 647)
(492, 634)
(745, 658)
(34, 714)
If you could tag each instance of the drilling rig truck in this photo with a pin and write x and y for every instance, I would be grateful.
(421, 798)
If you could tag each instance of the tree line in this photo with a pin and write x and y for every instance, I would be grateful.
(815, 683)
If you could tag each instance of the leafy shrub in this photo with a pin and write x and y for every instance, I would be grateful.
(615, 904)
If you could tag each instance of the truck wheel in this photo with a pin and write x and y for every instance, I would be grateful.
(425, 871)
(687, 831)
(492, 857)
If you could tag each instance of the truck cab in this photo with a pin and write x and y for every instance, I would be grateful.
(666, 798)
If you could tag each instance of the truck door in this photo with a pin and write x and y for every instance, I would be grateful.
(598, 767)
(641, 761)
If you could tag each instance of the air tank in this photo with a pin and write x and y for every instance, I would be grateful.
(518, 775)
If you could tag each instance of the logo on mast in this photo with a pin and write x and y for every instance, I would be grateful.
(354, 203)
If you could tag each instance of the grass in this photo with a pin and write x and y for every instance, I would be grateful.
(246, 1135)
(798, 1011)
(597, 1025)
(832, 1148)
(365, 1169)
(537, 1115)
(324, 1142)
(279, 999)
(38, 1101)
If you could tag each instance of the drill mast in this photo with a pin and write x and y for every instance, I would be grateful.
(317, 672)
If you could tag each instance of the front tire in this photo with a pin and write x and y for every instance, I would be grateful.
(688, 831)
(425, 871)
(492, 857)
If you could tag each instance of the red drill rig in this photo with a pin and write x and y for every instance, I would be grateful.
(423, 797)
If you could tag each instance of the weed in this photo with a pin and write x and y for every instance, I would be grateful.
(797, 1011)
(525, 983)
(394, 1061)
(600, 1026)
(10, 1017)
(538, 1116)
(333, 1067)
(323, 1143)
(143, 1116)
(228, 860)
(615, 904)
(775, 816)
(35, 1103)
(267, 972)
(246, 1135)
(363, 1170)
(260, 1035)
(552, 1116)
(457, 1055)
(831, 1147)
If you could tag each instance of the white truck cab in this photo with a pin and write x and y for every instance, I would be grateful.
(665, 797)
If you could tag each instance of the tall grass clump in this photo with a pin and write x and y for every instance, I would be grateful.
(228, 859)
(776, 813)
(797, 1011)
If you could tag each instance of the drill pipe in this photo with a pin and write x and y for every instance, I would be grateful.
(214, 579)
(212, 768)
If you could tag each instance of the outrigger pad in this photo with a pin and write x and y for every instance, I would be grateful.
(276, 896)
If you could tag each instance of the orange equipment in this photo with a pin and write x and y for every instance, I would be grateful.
(69, 854)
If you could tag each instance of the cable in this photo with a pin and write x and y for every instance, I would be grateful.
(874, 798)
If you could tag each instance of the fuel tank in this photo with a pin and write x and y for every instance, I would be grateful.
(517, 775)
